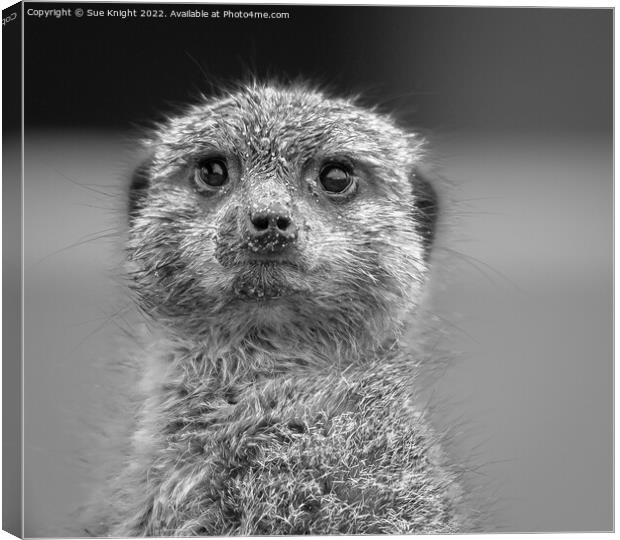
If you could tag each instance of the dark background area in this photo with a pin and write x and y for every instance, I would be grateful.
(443, 67)
(517, 106)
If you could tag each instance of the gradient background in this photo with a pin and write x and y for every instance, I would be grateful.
(517, 104)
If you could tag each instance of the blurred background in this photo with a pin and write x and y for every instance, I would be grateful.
(517, 106)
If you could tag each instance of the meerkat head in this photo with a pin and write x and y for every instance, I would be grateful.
(277, 213)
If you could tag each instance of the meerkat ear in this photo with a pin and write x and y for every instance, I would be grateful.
(426, 210)
(138, 187)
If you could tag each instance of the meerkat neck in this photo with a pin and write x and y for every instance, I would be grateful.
(219, 364)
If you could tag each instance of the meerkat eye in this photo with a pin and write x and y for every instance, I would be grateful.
(336, 178)
(211, 172)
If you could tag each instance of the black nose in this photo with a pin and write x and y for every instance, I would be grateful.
(271, 229)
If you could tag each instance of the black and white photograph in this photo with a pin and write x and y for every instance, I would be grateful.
(285, 269)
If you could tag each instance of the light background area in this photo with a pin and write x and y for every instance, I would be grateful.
(531, 382)
(517, 106)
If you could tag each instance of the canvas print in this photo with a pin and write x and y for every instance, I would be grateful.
(306, 269)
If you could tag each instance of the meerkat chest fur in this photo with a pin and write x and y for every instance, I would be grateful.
(279, 241)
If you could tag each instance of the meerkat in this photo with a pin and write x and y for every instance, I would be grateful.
(278, 245)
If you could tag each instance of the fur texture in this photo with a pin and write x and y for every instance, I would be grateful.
(277, 397)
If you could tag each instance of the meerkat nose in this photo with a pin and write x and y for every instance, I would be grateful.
(271, 228)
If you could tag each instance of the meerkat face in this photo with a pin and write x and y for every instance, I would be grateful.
(279, 208)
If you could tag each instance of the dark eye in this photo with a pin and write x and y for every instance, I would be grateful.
(211, 172)
(335, 178)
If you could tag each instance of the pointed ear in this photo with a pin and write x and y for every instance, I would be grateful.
(426, 208)
(138, 188)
